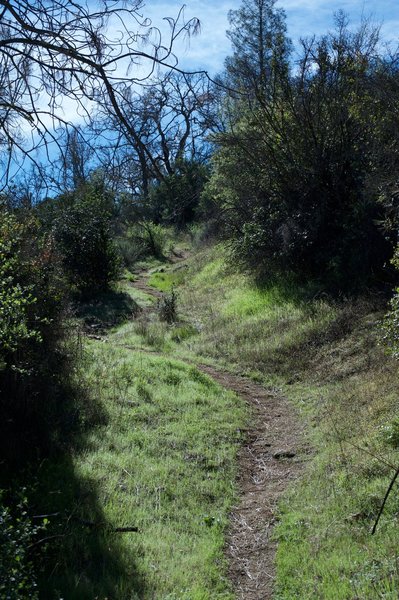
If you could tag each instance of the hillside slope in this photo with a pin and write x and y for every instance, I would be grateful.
(325, 357)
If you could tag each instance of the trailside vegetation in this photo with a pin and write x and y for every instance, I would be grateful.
(289, 162)
(304, 172)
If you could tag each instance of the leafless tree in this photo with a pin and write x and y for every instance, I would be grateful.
(169, 119)
(61, 58)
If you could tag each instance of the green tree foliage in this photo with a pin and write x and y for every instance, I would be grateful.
(82, 228)
(33, 354)
(17, 579)
(298, 176)
(176, 199)
(390, 327)
(15, 300)
(260, 47)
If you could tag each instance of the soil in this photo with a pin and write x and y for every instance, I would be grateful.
(269, 460)
(141, 284)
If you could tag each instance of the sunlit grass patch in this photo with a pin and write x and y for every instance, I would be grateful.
(209, 268)
(350, 399)
(245, 300)
(262, 328)
(164, 281)
(165, 463)
(323, 354)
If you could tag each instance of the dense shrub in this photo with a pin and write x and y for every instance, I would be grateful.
(17, 534)
(176, 199)
(142, 240)
(298, 175)
(83, 231)
(15, 299)
(36, 349)
(390, 327)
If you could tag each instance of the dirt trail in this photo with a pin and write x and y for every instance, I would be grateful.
(268, 461)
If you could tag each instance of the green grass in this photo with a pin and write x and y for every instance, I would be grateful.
(262, 330)
(163, 458)
(163, 461)
(326, 521)
(325, 356)
(164, 281)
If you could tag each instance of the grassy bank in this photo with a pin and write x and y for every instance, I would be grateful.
(162, 460)
(325, 356)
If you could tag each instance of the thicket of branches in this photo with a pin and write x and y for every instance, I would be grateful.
(305, 172)
(59, 58)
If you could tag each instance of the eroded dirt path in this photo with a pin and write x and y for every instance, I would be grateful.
(269, 460)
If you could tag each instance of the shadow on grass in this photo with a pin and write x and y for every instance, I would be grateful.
(107, 310)
(75, 553)
(81, 556)
(78, 555)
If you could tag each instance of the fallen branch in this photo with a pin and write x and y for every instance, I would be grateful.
(45, 540)
(86, 523)
(394, 478)
(98, 525)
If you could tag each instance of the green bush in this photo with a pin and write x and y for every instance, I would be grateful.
(83, 232)
(176, 199)
(129, 250)
(37, 350)
(145, 239)
(167, 307)
(299, 177)
(390, 326)
(390, 433)
(17, 579)
(15, 299)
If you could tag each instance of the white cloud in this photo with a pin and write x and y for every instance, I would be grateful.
(304, 18)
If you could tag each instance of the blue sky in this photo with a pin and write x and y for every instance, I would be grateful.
(304, 18)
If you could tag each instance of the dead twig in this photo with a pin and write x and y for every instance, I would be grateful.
(86, 523)
(394, 478)
(98, 525)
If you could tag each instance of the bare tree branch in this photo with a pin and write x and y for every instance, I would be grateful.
(62, 56)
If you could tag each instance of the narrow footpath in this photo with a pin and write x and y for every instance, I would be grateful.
(270, 459)
(268, 462)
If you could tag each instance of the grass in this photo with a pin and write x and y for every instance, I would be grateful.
(109, 309)
(326, 522)
(325, 356)
(164, 280)
(164, 461)
(258, 329)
